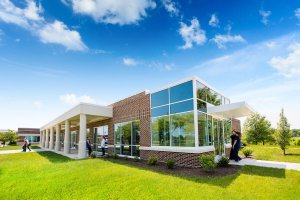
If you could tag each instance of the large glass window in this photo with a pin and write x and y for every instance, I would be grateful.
(181, 92)
(202, 129)
(160, 111)
(201, 91)
(182, 129)
(161, 131)
(127, 138)
(201, 106)
(160, 98)
(227, 131)
(182, 106)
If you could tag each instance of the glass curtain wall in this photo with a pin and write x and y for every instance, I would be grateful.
(127, 138)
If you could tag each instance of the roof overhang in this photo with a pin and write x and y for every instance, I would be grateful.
(93, 112)
(233, 110)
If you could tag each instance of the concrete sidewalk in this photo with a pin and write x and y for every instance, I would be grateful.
(20, 151)
(265, 163)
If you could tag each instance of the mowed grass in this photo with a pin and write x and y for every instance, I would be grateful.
(18, 147)
(274, 153)
(46, 175)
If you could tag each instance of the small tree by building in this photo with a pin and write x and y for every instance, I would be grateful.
(10, 137)
(258, 129)
(283, 133)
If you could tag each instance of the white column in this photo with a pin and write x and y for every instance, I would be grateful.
(47, 139)
(82, 137)
(67, 138)
(43, 138)
(51, 146)
(41, 133)
(57, 141)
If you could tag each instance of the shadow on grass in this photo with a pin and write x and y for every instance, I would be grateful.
(208, 177)
(54, 157)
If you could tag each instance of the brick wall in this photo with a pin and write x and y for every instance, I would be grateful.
(181, 159)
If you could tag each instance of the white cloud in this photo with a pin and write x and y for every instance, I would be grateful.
(265, 15)
(113, 12)
(161, 66)
(171, 7)
(222, 40)
(290, 65)
(271, 45)
(297, 14)
(58, 33)
(192, 34)
(31, 19)
(129, 61)
(214, 21)
(37, 104)
(72, 99)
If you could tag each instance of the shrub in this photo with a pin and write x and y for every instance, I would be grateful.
(136, 158)
(115, 156)
(107, 155)
(247, 152)
(126, 157)
(152, 160)
(170, 164)
(223, 162)
(295, 141)
(207, 162)
(93, 155)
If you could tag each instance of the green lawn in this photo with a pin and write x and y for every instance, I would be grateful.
(18, 147)
(274, 153)
(46, 175)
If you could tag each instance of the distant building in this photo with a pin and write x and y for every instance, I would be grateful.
(32, 134)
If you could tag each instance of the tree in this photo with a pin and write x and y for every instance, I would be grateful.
(10, 137)
(258, 129)
(283, 133)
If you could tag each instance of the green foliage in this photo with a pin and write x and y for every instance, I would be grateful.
(170, 164)
(296, 133)
(283, 134)
(126, 157)
(295, 141)
(115, 156)
(152, 160)
(247, 152)
(108, 155)
(93, 155)
(136, 158)
(258, 129)
(10, 137)
(223, 162)
(207, 162)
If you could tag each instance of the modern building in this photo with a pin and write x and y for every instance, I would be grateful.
(32, 134)
(179, 121)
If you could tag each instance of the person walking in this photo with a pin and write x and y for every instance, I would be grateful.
(88, 146)
(236, 146)
(233, 138)
(28, 144)
(103, 141)
(24, 146)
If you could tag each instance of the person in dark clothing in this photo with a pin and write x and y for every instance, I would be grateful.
(88, 146)
(24, 146)
(236, 146)
(233, 138)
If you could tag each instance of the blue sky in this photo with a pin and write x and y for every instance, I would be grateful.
(54, 54)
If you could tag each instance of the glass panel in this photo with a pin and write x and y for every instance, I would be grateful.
(135, 151)
(210, 129)
(117, 133)
(117, 150)
(221, 140)
(160, 111)
(202, 133)
(182, 106)
(209, 94)
(216, 136)
(227, 131)
(201, 91)
(182, 129)
(160, 98)
(201, 105)
(126, 134)
(126, 150)
(136, 133)
(218, 99)
(181, 92)
(160, 131)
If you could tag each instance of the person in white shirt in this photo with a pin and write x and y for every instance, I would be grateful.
(103, 141)
(28, 144)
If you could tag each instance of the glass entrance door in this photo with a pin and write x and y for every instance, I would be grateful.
(218, 137)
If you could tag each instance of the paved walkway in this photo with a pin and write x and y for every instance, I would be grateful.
(20, 151)
(265, 163)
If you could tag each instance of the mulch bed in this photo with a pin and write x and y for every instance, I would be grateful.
(178, 171)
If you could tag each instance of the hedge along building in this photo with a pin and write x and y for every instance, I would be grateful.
(179, 121)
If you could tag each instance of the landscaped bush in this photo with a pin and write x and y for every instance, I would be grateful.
(136, 158)
(126, 157)
(107, 155)
(115, 156)
(207, 162)
(93, 155)
(223, 162)
(170, 164)
(152, 160)
(295, 141)
(247, 152)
